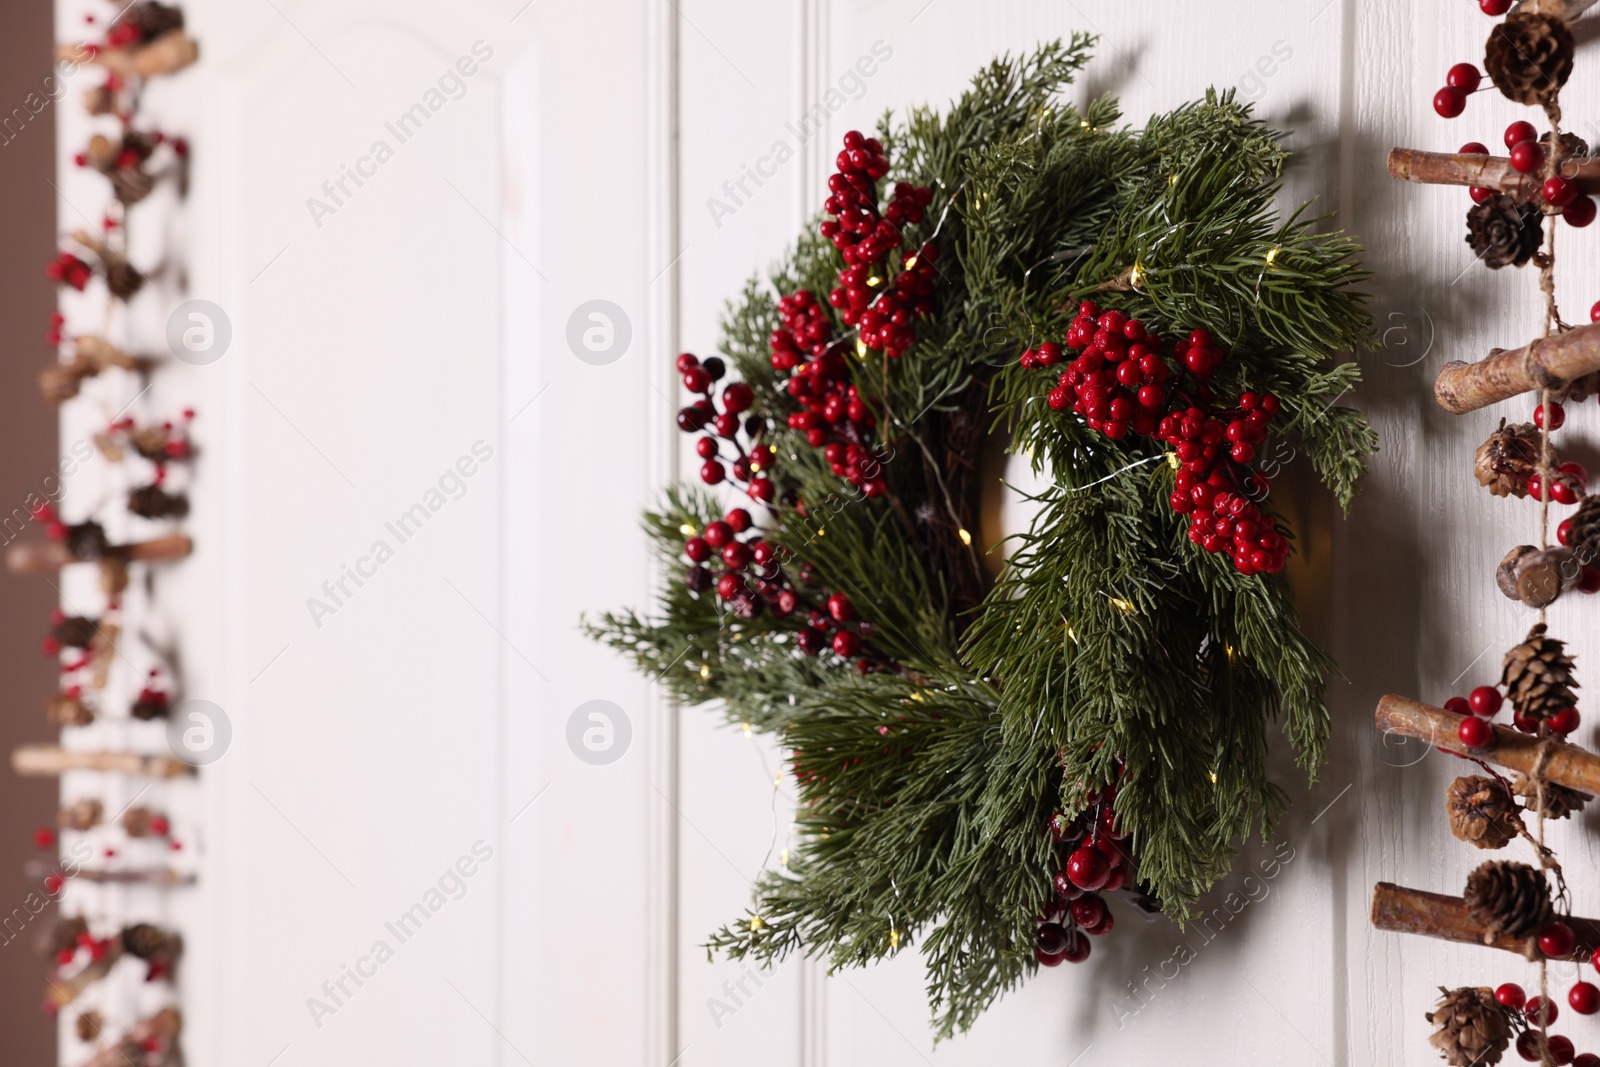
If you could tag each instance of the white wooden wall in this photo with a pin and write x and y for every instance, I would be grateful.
(376, 345)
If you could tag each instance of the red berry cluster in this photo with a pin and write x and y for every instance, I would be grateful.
(1556, 940)
(753, 581)
(701, 376)
(865, 236)
(68, 269)
(1527, 157)
(1095, 859)
(833, 416)
(1481, 705)
(1120, 383)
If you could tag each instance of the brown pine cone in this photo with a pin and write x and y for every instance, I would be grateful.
(1508, 457)
(75, 631)
(154, 502)
(1537, 676)
(1508, 898)
(87, 540)
(67, 710)
(124, 280)
(1559, 801)
(150, 943)
(154, 19)
(1504, 233)
(1529, 57)
(149, 705)
(131, 184)
(1584, 534)
(1471, 1027)
(1572, 146)
(142, 822)
(89, 1025)
(81, 815)
(1482, 811)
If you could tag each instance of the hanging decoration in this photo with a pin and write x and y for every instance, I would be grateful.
(1521, 201)
(113, 975)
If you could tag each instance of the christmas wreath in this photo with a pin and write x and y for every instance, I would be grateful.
(982, 760)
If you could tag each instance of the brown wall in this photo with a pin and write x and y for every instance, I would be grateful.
(27, 454)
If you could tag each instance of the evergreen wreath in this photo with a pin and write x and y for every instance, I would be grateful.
(979, 759)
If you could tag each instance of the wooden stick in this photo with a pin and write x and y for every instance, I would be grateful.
(1569, 765)
(1416, 911)
(45, 760)
(1548, 363)
(1561, 9)
(167, 54)
(1485, 172)
(49, 556)
(159, 877)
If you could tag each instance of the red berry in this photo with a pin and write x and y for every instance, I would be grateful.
(729, 586)
(1045, 959)
(1088, 912)
(1541, 1010)
(1556, 939)
(1528, 1040)
(1594, 311)
(1458, 705)
(1527, 157)
(1584, 998)
(1494, 8)
(1051, 939)
(1518, 132)
(706, 448)
(1561, 492)
(712, 472)
(736, 555)
(697, 549)
(737, 397)
(1565, 721)
(1560, 1048)
(44, 837)
(1589, 580)
(1475, 733)
(1564, 532)
(846, 643)
(738, 520)
(1484, 700)
(1077, 947)
(1536, 487)
(1479, 194)
(1558, 416)
(1104, 927)
(687, 362)
(1586, 1059)
(696, 380)
(1559, 191)
(840, 607)
(1088, 868)
(1449, 102)
(718, 534)
(1463, 76)
(1511, 995)
(1474, 148)
(1580, 212)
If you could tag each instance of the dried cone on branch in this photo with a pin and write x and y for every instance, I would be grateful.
(1559, 801)
(1503, 233)
(1470, 1026)
(1507, 458)
(90, 1025)
(1584, 533)
(1529, 57)
(81, 815)
(151, 943)
(1508, 898)
(1537, 676)
(1482, 811)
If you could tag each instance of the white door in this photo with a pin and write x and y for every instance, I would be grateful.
(477, 319)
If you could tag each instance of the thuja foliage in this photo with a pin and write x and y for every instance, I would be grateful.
(1110, 648)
